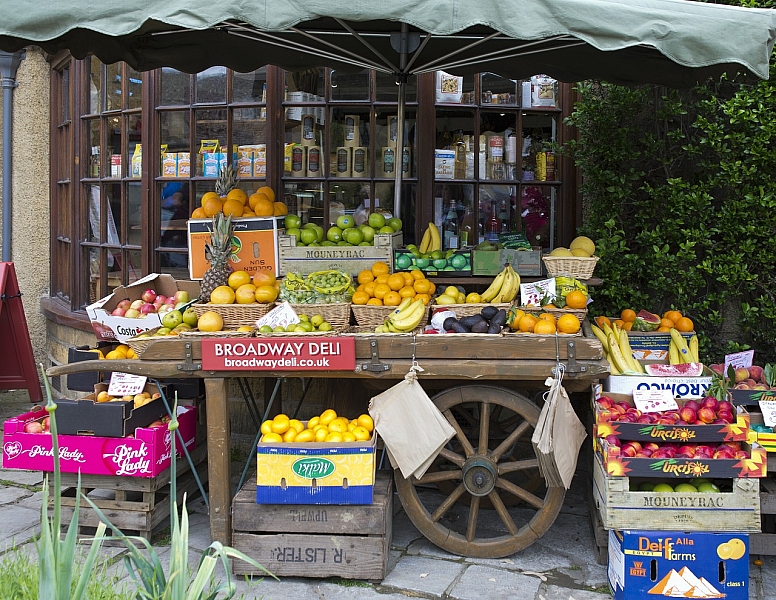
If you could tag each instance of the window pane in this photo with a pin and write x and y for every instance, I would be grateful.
(65, 98)
(310, 81)
(250, 87)
(95, 290)
(350, 86)
(306, 200)
(175, 130)
(174, 207)
(134, 88)
(175, 88)
(211, 85)
(386, 132)
(92, 193)
(498, 90)
(134, 150)
(113, 126)
(249, 126)
(133, 202)
(114, 229)
(210, 125)
(95, 86)
(388, 88)
(113, 87)
(93, 149)
(133, 266)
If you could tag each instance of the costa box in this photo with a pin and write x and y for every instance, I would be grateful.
(86, 416)
(254, 245)
(659, 564)
(110, 328)
(605, 424)
(681, 387)
(145, 455)
(350, 259)
(316, 472)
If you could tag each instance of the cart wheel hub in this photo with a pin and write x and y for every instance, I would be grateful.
(479, 475)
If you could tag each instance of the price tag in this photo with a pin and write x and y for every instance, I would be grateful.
(124, 384)
(739, 359)
(768, 408)
(532, 293)
(650, 401)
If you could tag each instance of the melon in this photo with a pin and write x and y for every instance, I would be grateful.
(684, 370)
(645, 321)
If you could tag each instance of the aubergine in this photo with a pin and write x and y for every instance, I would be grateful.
(488, 312)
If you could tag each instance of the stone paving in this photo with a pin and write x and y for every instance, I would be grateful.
(559, 566)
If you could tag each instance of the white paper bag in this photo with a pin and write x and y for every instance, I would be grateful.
(412, 427)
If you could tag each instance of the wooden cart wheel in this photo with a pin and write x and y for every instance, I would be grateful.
(480, 470)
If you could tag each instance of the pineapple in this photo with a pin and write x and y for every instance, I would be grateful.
(226, 181)
(217, 253)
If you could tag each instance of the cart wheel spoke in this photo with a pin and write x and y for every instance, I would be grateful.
(484, 428)
(474, 513)
(459, 434)
(498, 504)
(510, 440)
(447, 504)
(518, 465)
(516, 490)
(454, 458)
(438, 476)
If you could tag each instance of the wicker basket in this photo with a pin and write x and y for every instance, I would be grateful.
(372, 316)
(235, 315)
(467, 310)
(225, 333)
(337, 314)
(579, 313)
(140, 344)
(300, 334)
(574, 266)
(369, 330)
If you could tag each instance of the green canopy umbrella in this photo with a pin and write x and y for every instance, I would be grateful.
(672, 42)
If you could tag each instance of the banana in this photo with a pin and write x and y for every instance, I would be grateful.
(505, 287)
(402, 305)
(673, 354)
(694, 356)
(601, 337)
(495, 287)
(425, 242)
(681, 346)
(616, 357)
(511, 285)
(612, 369)
(608, 329)
(413, 315)
(436, 242)
(627, 352)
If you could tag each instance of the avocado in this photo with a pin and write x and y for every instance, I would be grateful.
(493, 328)
(458, 328)
(448, 323)
(480, 326)
(488, 312)
(470, 321)
(500, 318)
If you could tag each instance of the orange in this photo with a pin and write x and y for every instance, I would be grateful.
(396, 282)
(210, 321)
(544, 327)
(408, 278)
(568, 324)
(619, 323)
(628, 315)
(664, 329)
(264, 207)
(627, 326)
(576, 299)
(514, 324)
(245, 294)
(360, 298)
(380, 268)
(360, 288)
(375, 302)
(233, 207)
(601, 321)
(223, 294)
(433, 288)
(264, 278)
(199, 213)
(239, 195)
(247, 212)
(265, 189)
(666, 323)
(685, 324)
(208, 196)
(369, 288)
(255, 197)
(365, 276)
(527, 323)
(280, 209)
(212, 206)
(673, 315)
(361, 434)
(366, 422)
(266, 294)
(381, 289)
(382, 278)
(417, 274)
(422, 286)
(547, 317)
(392, 299)
(407, 292)
(425, 297)
(238, 278)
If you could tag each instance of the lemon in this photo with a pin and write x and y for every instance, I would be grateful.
(280, 424)
(312, 422)
(451, 291)
(473, 298)
(266, 427)
(339, 425)
(366, 422)
(245, 328)
(210, 321)
(361, 434)
(327, 416)
(289, 435)
(246, 294)
(445, 299)
(306, 435)
(271, 438)
(238, 278)
(320, 434)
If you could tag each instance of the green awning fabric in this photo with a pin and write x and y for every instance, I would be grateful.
(673, 42)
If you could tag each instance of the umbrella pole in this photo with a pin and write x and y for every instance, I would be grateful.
(399, 155)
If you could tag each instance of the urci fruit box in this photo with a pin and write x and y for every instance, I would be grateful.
(619, 465)
(145, 455)
(751, 396)
(606, 424)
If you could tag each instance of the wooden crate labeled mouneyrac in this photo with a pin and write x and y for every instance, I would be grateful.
(315, 540)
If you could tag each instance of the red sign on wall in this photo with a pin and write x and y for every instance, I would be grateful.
(279, 354)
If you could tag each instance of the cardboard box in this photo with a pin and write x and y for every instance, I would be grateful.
(524, 262)
(85, 382)
(652, 346)
(86, 416)
(109, 328)
(145, 455)
(681, 432)
(350, 259)
(316, 472)
(751, 396)
(681, 387)
(254, 245)
(458, 264)
(659, 564)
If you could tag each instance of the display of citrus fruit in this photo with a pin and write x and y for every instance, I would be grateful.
(210, 321)
(576, 299)
(238, 278)
(223, 294)
(568, 324)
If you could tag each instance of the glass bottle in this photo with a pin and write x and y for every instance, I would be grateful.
(493, 227)
(450, 228)
(468, 228)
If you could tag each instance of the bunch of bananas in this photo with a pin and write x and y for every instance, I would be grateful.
(431, 240)
(679, 352)
(617, 350)
(405, 317)
(504, 287)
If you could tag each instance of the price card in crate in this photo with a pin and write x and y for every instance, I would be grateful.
(768, 408)
(739, 359)
(652, 401)
(533, 293)
(124, 384)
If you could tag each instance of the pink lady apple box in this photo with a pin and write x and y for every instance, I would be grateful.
(145, 455)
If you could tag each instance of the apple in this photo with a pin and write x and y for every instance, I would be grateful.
(172, 319)
(132, 313)
(147, 308)
(725, 405)
(125, 303)
(190, 317)
(725, 416)
(164, 308)
(742, 374)
(628, 450)
(182, 296)
(661, 453)
(644, 419)
(137, 304)
(665, 421)
(706, 414)
(646, 452)
(624, 404)
(149, 295)
(170, 300)
(687, 414)
(33, 427)
(118, 312)
(757, 373)
(628, 418)
(160, 299)
(704, 451)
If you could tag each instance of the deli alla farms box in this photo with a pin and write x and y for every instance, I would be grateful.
(672, 564)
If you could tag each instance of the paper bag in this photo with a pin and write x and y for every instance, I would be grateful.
(558, 436)
(412, 427)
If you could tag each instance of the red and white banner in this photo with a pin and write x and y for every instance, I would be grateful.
(279, 354)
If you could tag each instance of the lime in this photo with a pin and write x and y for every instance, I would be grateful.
(292, 222)
(368, 232)
(422, 263)
(334, 234)
(365, 244)
(385, 229)
(353, 236)
(309, 236)
(403, 261)
(343, 243)
(327, 243)
(345, 221)
(437, 254)
(265, 329)
(279, 329)
(305, 326)
(394, 223)
(377, 221)
(325, 326)
(297, 233)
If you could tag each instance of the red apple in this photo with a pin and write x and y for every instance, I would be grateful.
(624, 404)
(156, 424)
(725, 416)
(149, 295)
(706, 414)
(725, 405)
(125, 303)
(628, 450)
(181, 296)
(645, 420)
(147, 308)
(160, 299)
(704, 451)
(661, 453)
(693, 404)
(33, 427)
(665, 421)
(646, 452)
(688, 414)
(710, 402)
(118, 312)
(673, 415)
(616, 408)
(132, 313)
(628, 418)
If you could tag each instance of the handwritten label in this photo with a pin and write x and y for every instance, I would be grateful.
(739, 359)
(124, 384)
(768, 408)
(532, 293)
(649, 401)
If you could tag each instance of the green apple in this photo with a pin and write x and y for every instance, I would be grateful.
(386, 229)
(316, 320)
(190, 317)
(353, 236)
(279, 329)
(334, 234)
(292, 222)
(686, 488)
(172, 319)
(296, 232)
(662, 487)
(394, 223)
(368, 232)
(309, 236)
(376, 220)
(162, 331)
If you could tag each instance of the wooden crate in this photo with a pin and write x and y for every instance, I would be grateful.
(620, 508)
(350, 541)
(765, 541)
(136, 505)
(351, 259)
